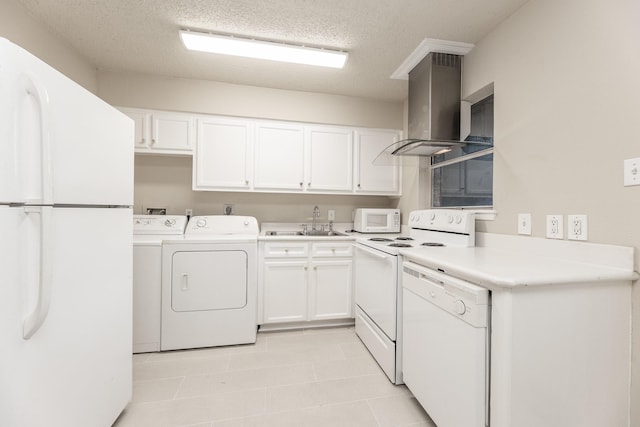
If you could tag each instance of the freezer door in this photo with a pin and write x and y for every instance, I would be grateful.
(9, 178)
(74, 368)
(60, 144)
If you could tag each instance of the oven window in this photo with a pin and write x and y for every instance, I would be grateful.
(376, 220)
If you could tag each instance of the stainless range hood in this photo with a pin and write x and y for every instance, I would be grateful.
(434, 108)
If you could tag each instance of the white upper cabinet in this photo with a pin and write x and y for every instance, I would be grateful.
(243, 154)
(279, 156)
(142, 132)
(223, 155)
(383, 177)
(329, 163)
(172, 132)
(160, 132)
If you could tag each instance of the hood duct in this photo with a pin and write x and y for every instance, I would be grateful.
(434, 108)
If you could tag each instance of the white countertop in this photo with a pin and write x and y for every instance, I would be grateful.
(510, 261)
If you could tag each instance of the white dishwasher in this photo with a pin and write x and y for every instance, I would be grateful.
(446, 346)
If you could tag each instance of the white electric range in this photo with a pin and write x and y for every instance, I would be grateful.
(377, 278)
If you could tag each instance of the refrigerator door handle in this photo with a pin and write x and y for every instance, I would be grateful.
(34, 320)
(33, 88)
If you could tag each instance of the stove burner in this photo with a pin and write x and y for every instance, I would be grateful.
(400, 245)
(380, 239)
(404, 238)
(432, 244)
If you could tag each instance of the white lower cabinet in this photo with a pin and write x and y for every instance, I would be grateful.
(330, 289)
(285, 291)
(305, 281)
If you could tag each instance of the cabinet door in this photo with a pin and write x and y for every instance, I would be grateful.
(285, 291)
(172, 132)
(141, 120)
(330, 159)
(331, 289)
(279, 158)
(222, 157)
(379, 178)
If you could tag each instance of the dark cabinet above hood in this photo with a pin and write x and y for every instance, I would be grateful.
(434, 108)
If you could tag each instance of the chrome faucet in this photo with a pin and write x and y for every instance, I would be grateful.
(316, 215)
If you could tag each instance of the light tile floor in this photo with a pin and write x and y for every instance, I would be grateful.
(309, 378)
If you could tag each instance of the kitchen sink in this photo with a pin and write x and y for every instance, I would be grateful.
(323, 233)
(319, 233)
(284, 233)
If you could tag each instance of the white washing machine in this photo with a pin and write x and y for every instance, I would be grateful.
(148, 233)
(209, 284)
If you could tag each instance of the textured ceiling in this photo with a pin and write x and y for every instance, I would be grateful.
(142, 36)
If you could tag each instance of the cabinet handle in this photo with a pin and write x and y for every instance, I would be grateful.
(306, 268)
(315, 268)
(286, 251)
(301, 183)
(153, 141)
(246, 182)
(309, 184)
(358, 185)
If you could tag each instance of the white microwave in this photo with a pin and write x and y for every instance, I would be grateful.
(369, 220)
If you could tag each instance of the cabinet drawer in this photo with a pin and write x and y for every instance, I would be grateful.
(331, 249)
(285, 250)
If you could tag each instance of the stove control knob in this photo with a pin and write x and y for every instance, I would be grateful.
(449, 219)
(459, 307)
(458, 219)
(432, 216)
(201, 222)
(169, 222)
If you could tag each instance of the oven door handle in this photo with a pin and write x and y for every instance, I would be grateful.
(375, 253)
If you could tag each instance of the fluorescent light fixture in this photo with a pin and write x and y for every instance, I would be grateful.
(251, 48)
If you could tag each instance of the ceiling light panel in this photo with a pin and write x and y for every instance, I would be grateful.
(250, 48)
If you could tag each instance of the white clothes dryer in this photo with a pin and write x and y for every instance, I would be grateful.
(149, 231)
(209, 284)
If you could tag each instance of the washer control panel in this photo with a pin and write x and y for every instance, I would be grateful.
(215, 225)
(159, 224)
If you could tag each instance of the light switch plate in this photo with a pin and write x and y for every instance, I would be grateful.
(632, 172)
(554, 227)
(524, 224)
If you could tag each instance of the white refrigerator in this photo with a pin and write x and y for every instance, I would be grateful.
(66, 196)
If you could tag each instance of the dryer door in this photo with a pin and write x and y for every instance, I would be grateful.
(209, 280)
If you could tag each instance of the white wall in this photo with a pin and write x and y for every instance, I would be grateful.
(202, 96)
(166, 181)
(567, 91)
(18, 26)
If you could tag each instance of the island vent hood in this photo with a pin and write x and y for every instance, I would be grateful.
(434, 108)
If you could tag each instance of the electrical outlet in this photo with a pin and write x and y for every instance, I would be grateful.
(632, 172)
(227, 209)
(188, 212)
(554, 227)
(524, 224)
(577, 227)
(331, 215)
